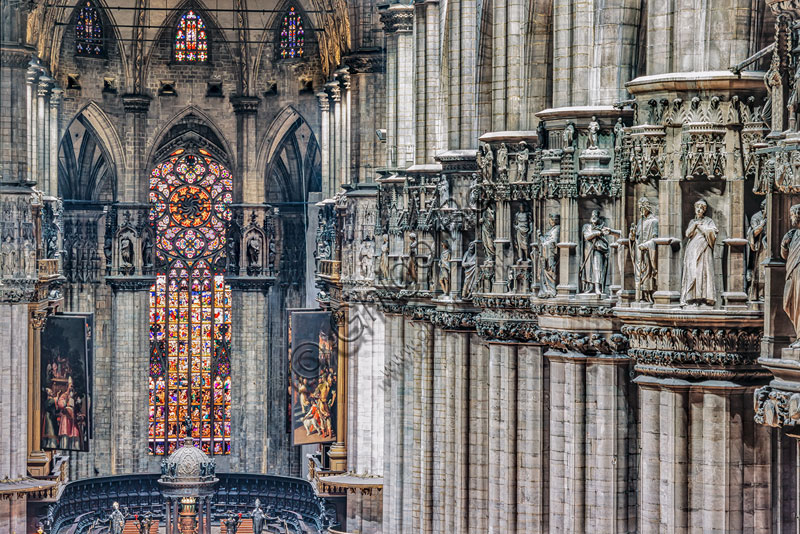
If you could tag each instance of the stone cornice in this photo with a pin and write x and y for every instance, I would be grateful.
(130, 283)
(250, 283)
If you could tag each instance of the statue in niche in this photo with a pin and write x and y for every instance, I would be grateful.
(485, 162)
(443, 190)
(147, 252)
(366, 254)
(411, 267)
(619, 133)
(271, 256)
(28, 258)
(383, 267)
(126, 253)
(444, 268)
(469, 263)
(793, 104)
(487, 232)
(594, 269)
(790, 251)
(757, 241)
(548, 245)
(253, 254)
(257, 515)
(522, 162)
(522, 233)
(116, 521)
(644, 251)
(502, 160)
(697, 284)
(594, 130)
(568, 135)
(8, 255)
(510, 280)
(474, 193)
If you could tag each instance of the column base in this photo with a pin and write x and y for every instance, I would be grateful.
(38, 464)
(338, 457)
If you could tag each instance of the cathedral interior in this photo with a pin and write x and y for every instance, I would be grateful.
(430, 266)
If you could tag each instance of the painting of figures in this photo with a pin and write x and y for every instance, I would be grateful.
(65, 383)
(313, 372)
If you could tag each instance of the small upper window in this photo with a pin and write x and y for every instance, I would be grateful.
(89, 31)
(292, 35)
(191, 43)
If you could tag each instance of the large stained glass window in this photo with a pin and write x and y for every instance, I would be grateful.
(291, 35)
(88, 31)
(191, 44)
(190, 304)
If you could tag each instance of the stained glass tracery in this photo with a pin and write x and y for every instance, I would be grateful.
(88, 31)
(191, 43)
(292, 35)
(190, 304)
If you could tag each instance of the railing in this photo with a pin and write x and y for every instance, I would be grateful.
(291, 499)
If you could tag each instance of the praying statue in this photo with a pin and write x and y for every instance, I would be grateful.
(790, 251)
(469, 264)
(644, 251)
(697, 284)
(548, 245)
(594, 269)
(522, 232)
(757, 242)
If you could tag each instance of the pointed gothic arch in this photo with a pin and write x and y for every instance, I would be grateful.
(191, 126)
(90, 152)
(291, 157)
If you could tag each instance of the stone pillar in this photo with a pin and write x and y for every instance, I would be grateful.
(398, 22)
(336, 136)
(502, 456)
(43, 132)
(129, 188)
(55, 113)
(419, 337)
(507, 51)
(32, 83)
(251, 178)
(429, 135)
(37, 459)
(395, 458)
(325, 119)
(338, 451)
(479, 416)
(129, 379)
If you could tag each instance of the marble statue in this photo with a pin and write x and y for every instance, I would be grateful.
(619, 132)
(594, 269)
(757, 242)
(444, 268)
(522, 162)
(487, 231)
(271, 256)
(443, 190)
(644, 251)
(697, 283)
(253, 253)
(383, 267)
(790, 251)
(232, 522)
(116, 521)
(411, 268)
(522, 233)
(594, 130)
(486, 162)
(548, 258)
(502, 160)
(366, 254)
(568, 135)
(257, 515)
(793, 104)
(147, 252)
(126, 252)
(469, 263)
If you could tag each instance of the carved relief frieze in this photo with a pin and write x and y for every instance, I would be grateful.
(646, 153)
(777, 408)
(703, 151)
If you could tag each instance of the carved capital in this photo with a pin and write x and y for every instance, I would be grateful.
(398, 18)
(245, 104)
(136, 103)
(324, 101)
